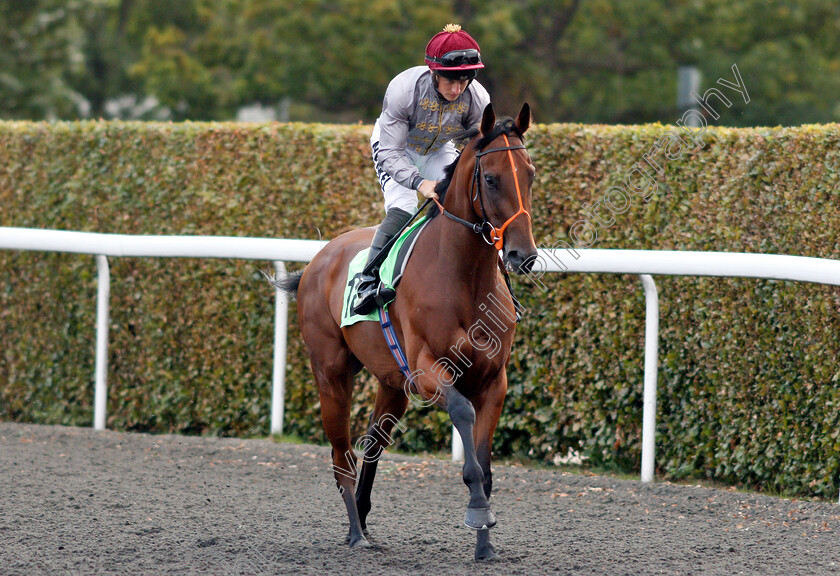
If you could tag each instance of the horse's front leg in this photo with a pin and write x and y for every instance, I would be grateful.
(463, 415)
(437, 388)
(488, 408)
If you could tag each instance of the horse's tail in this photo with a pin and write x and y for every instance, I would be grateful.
(288, 283)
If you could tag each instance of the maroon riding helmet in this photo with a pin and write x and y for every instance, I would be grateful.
(454, 54)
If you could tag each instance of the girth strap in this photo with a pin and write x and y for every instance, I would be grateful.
(393, 342)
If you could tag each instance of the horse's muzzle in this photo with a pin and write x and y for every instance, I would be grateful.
(520, 262)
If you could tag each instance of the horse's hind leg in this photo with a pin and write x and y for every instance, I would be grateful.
(390, 406)
(335, 388)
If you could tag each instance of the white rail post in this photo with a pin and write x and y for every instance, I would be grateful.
(651, 362)
(281, 328)
(457, 446)
(103, 293)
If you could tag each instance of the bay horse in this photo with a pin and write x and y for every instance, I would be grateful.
(453, 315)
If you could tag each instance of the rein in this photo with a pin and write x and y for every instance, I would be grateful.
(489, 233)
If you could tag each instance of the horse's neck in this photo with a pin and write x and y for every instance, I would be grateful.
(466, 283)
(463, 253)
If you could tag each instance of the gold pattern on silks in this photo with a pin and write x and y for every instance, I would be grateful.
(427, 104)
(420, 145)
(425, 146)
(428, 127)
(435, 129)
(434, 106)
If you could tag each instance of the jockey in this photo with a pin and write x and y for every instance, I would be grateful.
(423, 108)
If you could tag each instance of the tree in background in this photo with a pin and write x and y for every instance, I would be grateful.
(315, 60)
(43, 60)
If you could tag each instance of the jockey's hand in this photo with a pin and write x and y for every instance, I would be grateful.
(427, 188)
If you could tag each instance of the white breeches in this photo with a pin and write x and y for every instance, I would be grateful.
(431, 168)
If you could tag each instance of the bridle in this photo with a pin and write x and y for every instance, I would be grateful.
(489, 233)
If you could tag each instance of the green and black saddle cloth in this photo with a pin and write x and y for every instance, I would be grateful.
(390, 272)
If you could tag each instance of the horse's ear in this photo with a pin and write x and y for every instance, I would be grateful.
(523, 121)
(488, 120)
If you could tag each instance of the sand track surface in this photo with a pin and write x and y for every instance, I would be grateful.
(74, 501)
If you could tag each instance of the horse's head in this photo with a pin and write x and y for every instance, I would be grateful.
(501, 188)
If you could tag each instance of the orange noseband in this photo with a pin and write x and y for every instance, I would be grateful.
(496, 235)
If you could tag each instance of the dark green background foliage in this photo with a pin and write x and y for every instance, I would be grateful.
(313, 60)
(748, 368)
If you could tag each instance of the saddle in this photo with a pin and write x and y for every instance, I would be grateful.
(390, 273)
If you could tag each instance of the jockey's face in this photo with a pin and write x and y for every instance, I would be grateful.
(450, 89)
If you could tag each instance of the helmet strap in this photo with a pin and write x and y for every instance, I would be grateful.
(435, 80)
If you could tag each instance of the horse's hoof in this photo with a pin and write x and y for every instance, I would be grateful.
(360, 543)
(489, 556)
(480, 518)
(347, 538)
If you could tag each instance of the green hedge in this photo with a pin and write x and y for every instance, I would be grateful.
(748, 368)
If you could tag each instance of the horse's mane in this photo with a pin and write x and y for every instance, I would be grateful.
(504, 125)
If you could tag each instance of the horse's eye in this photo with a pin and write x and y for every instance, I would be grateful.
(490, 180)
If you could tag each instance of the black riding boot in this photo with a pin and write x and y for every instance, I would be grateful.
(394, 220)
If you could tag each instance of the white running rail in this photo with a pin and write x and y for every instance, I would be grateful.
(643, 263)
(118, 245)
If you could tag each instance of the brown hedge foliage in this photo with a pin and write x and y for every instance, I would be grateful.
(748, 368)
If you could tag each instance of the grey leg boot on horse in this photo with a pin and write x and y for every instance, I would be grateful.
(369, 288)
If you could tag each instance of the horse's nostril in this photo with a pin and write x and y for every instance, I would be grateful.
(519, 263)
(527, 265)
